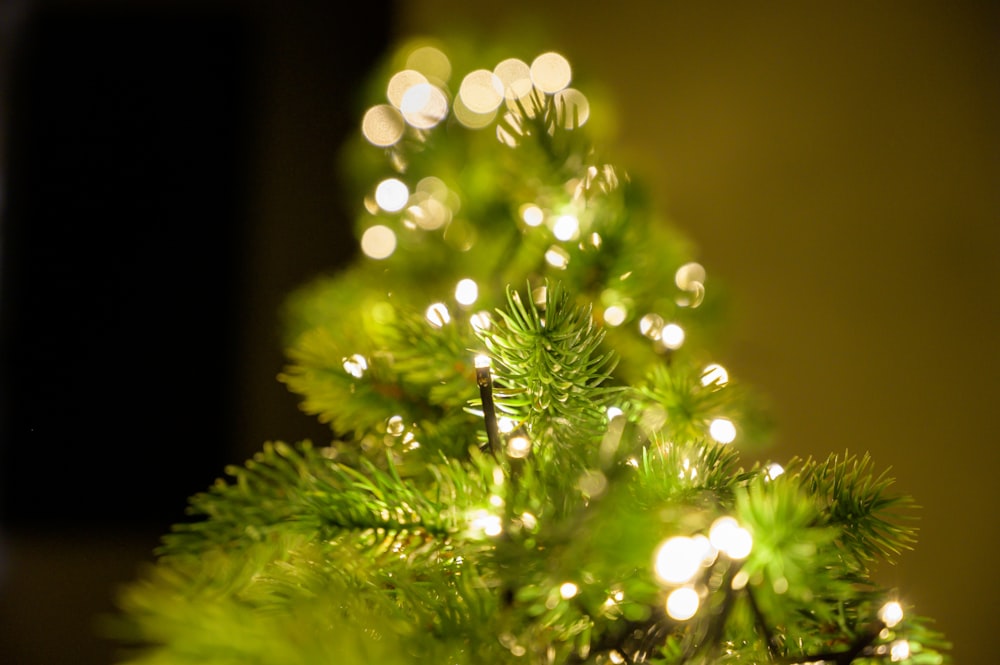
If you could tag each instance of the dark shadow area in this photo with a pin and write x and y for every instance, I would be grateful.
(151, 154)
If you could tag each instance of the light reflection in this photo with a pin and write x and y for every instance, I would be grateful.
(383, 125)
(688, 274)
(378, 242)
(651, 326)
(682, 603)
(551, 72)
(391, 194)
(394, 426)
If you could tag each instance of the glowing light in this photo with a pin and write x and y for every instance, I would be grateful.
(568, 590)
(722, 430)
(726, 535)
(480, 321)
(506, 425)
(482, 361)
(391, 194)
(566, 227)
(891, 614)
(651, 326)
(682, 603)
(470, 118)
(632, 462)
(466, 292)
(899, 650)
(532, 214)
(378, 242)
(573, 107)
(616, 657)
(481, 91)
(383, 125)
(395, 426)
(774, 470)
(518, 447)
(529, 521)
(400, 83)
(429, 214)
(613, 412)
(693, 296)
(438, 315)
(356, 365)
(689, 274)
(615, 315)
(551, 72)
(557, 257)
(430, 61)
(515, 76)
(672, 336)
(740, 580)
(714, 375)
(487, 523)
(679, 559)
(424, 105)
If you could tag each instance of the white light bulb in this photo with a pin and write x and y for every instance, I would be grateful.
(722, 430)
(682, 603)
(466, 292)
(891, 613)
(392, 194)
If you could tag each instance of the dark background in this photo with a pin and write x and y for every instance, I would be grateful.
(168, 177)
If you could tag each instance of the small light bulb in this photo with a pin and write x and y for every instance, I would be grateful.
(899, 650)
(891, 613)
(726, 535)
(355, 365)
(613, 412)
(566, 227)
(678, 559)
(466, 292)
(714, 375)
(568, 590)
(518, 447)
(392, 194)
(774, 470)
(437, 315)
(722, 430)
(614, 315)
(532, 214)
(672, 336)
(682, 603)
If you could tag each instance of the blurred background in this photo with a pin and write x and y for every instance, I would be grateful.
(167, 177)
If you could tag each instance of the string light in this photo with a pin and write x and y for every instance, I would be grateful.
(722, 430)
(672, 336)
(568, 590)
(679, 559)
(557, 257)
(714, 375)
(891, 614)
(726, 535)
(532, 215)
(391, 194)
(899, 650)
(614, 315)
(355, 365)
(550, 72)
(438, 315)
(466, 292)
(378, 242)
(566, 228)
(518, 447)
(383, 125)
(682, 603)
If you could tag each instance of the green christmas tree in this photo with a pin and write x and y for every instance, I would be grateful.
(534, 454)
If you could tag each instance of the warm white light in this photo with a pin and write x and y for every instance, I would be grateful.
(899, 650)
(722, 430)
(437, 315)
(488, 523)
(613, 412)
(672, 336)
(431, 61)
(466, 292)
(726, 535)
(614, 315)
(506, 425)
(679, 559)
(482, 361)
(378, 242)
(714, 374)
(557, 257)
(651, 326)
(682, 603)
(518, 447)
(532, 214)
(481, 91)
(356, 365)
(401, 82)
(566, 227)
(573, 108)
(392, 194)
(688, 275)
(424, 106)
(480, 321)
(568, 590)
(551, 72)
(515, 75)
(891, 613)
(383, 125)
(774, 470)
(395, 426)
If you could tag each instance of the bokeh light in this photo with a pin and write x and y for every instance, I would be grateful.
(466, 292)
(726, 535)
(392, 194)
(437, 315)
(424, 106)
(682, 603)
(551, 72)
(614, 315)
(573, 108)
(378, 242)
(672, 336)
(714, 375)
(355, 365)
(722, 430)
(383, 125)
(481, 91)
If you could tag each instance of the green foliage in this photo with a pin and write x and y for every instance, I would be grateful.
(417, 533)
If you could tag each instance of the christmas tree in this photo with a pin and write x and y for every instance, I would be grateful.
(534, 453)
